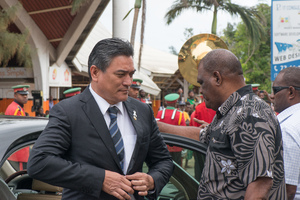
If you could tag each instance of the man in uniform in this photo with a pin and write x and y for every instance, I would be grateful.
(135, 88)
(171, 115)
(72, 92)
(255, 88)
(19, 158)
(21, 98)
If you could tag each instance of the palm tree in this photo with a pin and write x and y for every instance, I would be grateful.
(142, 33)
(251, 17)
(137, 6)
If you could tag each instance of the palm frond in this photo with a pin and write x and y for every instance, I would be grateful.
(181, 5)
(251, 19)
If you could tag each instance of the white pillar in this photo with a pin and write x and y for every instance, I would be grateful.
(121, 27)
(185, 89)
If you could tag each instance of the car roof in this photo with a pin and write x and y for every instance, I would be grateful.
(16, 130)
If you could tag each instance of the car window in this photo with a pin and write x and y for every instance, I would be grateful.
(18, 159)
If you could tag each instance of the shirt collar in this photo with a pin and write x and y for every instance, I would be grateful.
(232, 99)
(22, 105)
(286, 113)
(103, 104)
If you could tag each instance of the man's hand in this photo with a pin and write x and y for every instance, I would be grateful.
(201, 122)
(141, 182)
(117, 185)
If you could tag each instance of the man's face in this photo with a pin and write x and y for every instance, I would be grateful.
(182, 107)
(133, 92)
(188, 108)
(21, 98)
(113, 84)
(261, 95)
(207, 89)
(179, 91)
(191, 94)
(142, 93)
(280, 99)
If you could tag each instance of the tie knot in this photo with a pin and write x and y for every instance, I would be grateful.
(113, 110)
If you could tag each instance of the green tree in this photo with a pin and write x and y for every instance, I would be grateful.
(13, 44)
(256, 63)
(250, 17)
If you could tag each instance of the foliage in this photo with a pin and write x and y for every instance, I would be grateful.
(13, 44)
(173, 50)
(188, 33)
(251, 18)
(256, 63)
(77, 4)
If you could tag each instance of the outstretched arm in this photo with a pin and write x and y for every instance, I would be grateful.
(185, 131)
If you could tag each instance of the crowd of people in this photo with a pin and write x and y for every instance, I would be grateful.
(252, 147)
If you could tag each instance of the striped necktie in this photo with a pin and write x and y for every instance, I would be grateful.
(116, 134)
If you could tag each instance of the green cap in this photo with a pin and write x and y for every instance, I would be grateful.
(172, 97)
(21, 89)
(255, 86)
(136, 83)
(72, 92)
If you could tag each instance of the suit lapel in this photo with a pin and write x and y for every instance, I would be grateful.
(134, 118)
(93, 113)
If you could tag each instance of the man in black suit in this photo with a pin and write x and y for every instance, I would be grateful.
(76, 150)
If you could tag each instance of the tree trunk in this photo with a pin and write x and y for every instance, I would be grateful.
(214, 22)
(134, 23)
(142, 33)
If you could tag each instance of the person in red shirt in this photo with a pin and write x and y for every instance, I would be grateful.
(20, 98)
(72, 92)
(135, 88)
(203, 113)
(19, 158)
(171, 115)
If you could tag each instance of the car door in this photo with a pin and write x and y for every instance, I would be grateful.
(183, 184)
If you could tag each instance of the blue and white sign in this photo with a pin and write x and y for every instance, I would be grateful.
(285, 47)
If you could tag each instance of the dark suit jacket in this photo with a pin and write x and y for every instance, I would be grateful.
(76, 148)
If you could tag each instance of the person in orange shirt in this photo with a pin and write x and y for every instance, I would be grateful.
(171, 115)
(19, 158)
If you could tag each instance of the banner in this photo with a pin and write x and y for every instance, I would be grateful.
(285, 42)
(16, 72)
(60, 76)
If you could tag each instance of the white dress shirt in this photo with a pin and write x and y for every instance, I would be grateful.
(289, 120)
(125, 125)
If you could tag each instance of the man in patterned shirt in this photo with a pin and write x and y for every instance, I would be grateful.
(286, 100)
(244, 158)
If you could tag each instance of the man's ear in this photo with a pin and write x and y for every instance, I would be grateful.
(292, 92)
(218, 78)
(94, 70)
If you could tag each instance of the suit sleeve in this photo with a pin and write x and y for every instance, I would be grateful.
(47, 162)
(158, 158)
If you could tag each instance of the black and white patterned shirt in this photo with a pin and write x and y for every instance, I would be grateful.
(244, 143)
